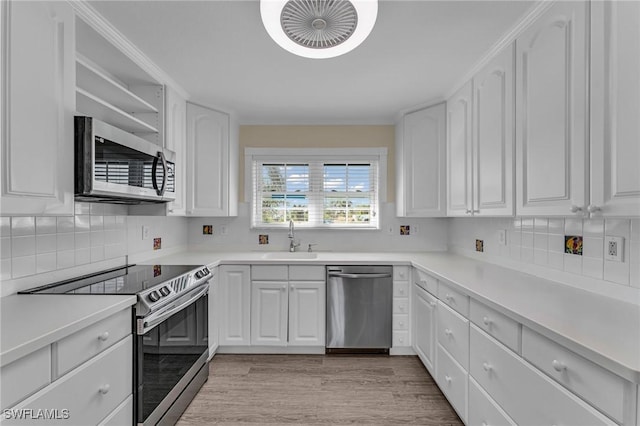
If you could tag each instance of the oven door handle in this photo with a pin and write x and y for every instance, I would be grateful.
(149, 322)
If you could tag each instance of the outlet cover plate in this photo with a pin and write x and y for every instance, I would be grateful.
(614, 248)
(502, 237)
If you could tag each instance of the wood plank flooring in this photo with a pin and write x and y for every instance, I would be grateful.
(319, 389)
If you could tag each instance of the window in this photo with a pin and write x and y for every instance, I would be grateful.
(315, 188)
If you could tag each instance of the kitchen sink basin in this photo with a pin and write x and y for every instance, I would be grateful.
(285, 255)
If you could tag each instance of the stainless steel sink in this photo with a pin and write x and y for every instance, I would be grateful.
(285, 255)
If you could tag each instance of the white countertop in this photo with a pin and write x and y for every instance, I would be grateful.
(602, 329)
(29, 322)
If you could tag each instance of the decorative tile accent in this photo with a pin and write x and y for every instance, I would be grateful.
(263, 239)
(479, 245)
(157, 243)
(405, 229)
(207, 229)
(573, 244)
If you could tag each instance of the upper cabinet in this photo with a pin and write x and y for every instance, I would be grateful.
(551, 113)
(459, 152)
(176, 141)
(211, 163)
(420, 155)
(615, 109)
(37, 108)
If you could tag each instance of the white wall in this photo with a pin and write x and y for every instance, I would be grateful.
(43, 249)
(426, 234)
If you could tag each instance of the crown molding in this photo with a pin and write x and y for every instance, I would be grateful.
(100, 24)
(507, 38)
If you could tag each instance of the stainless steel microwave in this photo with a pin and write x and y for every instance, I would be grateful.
(115, 166)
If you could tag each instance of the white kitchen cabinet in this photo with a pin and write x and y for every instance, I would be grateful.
(269, 312)
(493, 141)
(176, 141)
(211, 162)
(459, 152)
(401, 314)
(37, 108)
(615, 108)
(424, 327)
(214, 312)
(235, 305)
(420, 152)
(307, 313)
(551, 113)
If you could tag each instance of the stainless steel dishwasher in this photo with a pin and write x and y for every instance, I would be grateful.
(359, 306)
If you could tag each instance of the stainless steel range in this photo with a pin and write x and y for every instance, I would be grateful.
(170, 324)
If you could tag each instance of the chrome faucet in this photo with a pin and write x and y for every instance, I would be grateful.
(292, 241)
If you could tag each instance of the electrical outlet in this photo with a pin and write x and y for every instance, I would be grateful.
(502, 237)
(145, 232)
(223, 230)
(390, 230)
(614, 248)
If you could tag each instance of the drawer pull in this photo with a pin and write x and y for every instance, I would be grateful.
(558, 366)
(401, 323)
(402, 308)
(448, 297)
(486, 366)
(485, 424)
(401, 291)
(448, 332)
(293, 287)
(432, 304)
(104, 336)
(284, 288)
(423, 282)
(448, 379)
(486, 321)
(104, 389)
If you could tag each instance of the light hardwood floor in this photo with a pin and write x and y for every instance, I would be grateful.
(319, 389)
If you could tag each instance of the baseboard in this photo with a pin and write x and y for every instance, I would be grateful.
(282, 350)
(402, 350)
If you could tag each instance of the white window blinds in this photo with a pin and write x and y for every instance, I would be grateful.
(318, 193)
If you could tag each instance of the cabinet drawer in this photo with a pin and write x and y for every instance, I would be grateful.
(483, 410)
(25, 376)
(90, 341)
(600, 387)
(401, 289)
(453, 334)
(307, 273)
(400, 305)
(526, 394)
(400, 338)
(401, 273)
(496, 324)
(400, 322)
(270, 272)
(91, 391)
(425, 281)
(122, 415)
(452, 379)
(453, 298)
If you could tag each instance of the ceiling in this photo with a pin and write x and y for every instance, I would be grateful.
(220, 53)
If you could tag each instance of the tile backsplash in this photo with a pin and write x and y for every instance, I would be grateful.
(541, 242)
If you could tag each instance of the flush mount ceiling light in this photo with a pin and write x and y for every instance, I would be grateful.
(319, 28)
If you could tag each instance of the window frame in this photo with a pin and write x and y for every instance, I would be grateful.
(306, 155)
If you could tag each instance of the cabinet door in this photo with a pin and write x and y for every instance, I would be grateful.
(459, 167)
(269, 312)
(307, 310)
(214, 314)
(208, 162)
(37, 107)
(176, 141)
(424, 326)
(235, 299)
(551, 109)
(493, 137)
(422, 169)
(615, 108)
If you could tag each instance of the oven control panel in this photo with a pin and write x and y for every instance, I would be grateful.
(163, 293)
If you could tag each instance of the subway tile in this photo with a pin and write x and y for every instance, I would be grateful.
(97, 238)
(5, 269)
(540, 241)
(555, 260)
(66, 259)
(516, 224)
(555, 243)
(46, 262)
(96, 209)
(65, 242)
(121, 222)
(592, 267)
(618, 228)
(82, 256)
(5, 248)
(573, 264)
(556, 226)
(46, 243)
(97, 223)
(514, 238)
(572, 226)
(83, 223)
(5, 226)
(540, 225)
(113, 250)
(97, 254)
(592, 247)
(526, 254)
(593, 228)
(82, 208)
(111, 237)
(515, 251)
(65, 224)
(46, 225)
(617, 272)
(82, 240)
(634, 254)
(527, 224)
(527, 240)
(23, 246)
(540, 257)
(22, 266)
(21, 226)
(109, 223)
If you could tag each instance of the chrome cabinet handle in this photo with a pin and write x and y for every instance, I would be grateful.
(486, 366)
(448, 332)
(558, 365)
(432, 304)
(486, 321)
(104, 336)
(592, 208)
(575, 209)
(104, 389)
(447, 378)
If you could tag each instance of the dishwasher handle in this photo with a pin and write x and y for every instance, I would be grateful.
(358, 276)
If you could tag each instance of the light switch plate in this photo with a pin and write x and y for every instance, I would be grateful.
(502, 237)
(145, 232)
(614, 248)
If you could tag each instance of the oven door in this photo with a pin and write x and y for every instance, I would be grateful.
(171, 358)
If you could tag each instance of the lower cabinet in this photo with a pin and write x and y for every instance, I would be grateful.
(214, 312)
(235, 308)
(424, 327)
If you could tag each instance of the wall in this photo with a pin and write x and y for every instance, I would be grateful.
(536, 245)
(40, 250)
(320, 137)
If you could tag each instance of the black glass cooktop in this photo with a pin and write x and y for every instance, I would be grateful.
(130, 279)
